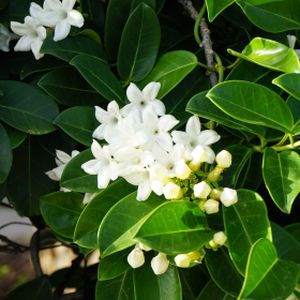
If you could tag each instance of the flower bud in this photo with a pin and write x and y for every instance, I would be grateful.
(220, 238)
(136, 258)
(182, 170)
(172, 191)
(201, 189)
(215, 194)
(215, 173)
(224, 159)
(211, 206)
(182, 260)
(144, 247)
(159, 264)
(228, 197)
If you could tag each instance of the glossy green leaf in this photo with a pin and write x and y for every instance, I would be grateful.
(287, 246)
(294, 105)
(218, 263)
(5, 154)
(16, 137)
(61, 210)
(75, 179)
(294, 230)
(99, 76)
(245, 222)
(141, 283)
(113, 265)
(87, 226)
(281, 174)
(122, 222)
(184, 228)
(37, 289)
(270, 54)
(272, 16)
(289, 83)
(73, 46)
(139, 44)
(212, 291)
(171, 68)
(202, 106)
(26, 108)
(252, 103)
(267, 276)
(215, 7)
(78, 122)
(68, 87)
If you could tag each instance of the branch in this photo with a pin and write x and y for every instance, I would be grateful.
(11, 246)
(34, 251)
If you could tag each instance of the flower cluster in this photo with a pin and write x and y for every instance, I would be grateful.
(54, 14)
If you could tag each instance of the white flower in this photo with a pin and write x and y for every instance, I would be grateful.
(159, 264)
(292, 42)
(139, 100)
(136, 258)
(202, 189)
(60, 15)
(228, 197)
(220, 238)
(193, 136)
(182, 170)
(211, 206)
(224, 159)
(182, 260)
(172, 191)
(32, 36)
(202, 154)
(103, 165)
(88, 197)
(144, 247)
(5, 37)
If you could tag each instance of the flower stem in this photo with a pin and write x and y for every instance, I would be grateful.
(197, 24)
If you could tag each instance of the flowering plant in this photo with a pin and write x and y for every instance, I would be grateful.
(162, 134)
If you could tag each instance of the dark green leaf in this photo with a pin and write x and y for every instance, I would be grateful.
(68, 87)
(139, 44)
(252, 103)
(5, 154)
(212, 291)
(99, 76)
(294, 230)
(268, 277)
(184, 228)
(281, 173)
(289, 83)
(61, 210)
(86, 229)
(245, 222)
(75, 179)
(16, 137)
(122, 222)
(78, 122)
(73, 46)
(294, 105)
(270, 54)
(214, 8)
(26, 108)
(170, 69)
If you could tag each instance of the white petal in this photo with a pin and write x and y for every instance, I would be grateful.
(207, 137)
(292, 40)
(103, 179)
(19, 28)
(36, 47)
(50, 18)
(55, 174)
(193, 126)
(97, 150)
(159, 107)
(167, 122)
(144, 191)
(133, 93)
(88, 197)
(136, 258)
(61, 31)
(150, 118)
(53, 5)
(210, 154)
(75, 18)
(41, 32)
(91, 167)
(63, 156)
(23, 44)
(180, 137)
(157, 187)
(113, 108)
(101, 114)
(160, 264)
(151, 90)
(165, 141)
(68, 5)
(99, 132)
(35, 10)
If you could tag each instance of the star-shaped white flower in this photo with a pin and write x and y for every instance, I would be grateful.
(32, 36)
(59, 15)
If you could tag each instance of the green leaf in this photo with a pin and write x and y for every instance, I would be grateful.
(99, 76)
(26, 108)
(61, 210)
(294, 105)
(67, 87)
(5, 154)
(267, 276)
(184, 228)
(245, 222)
(37, 289)
(171, 68)
(78, 122)
(281, 174)
(122, 222)
(270, 54)
(288, 247)
(75, 179)
(202, 106)
(290, 83)
(270, 15)
(113, 266)
(73, 46)
(215, 7)
(16, 137)
(212, 291)
(139, 44)
(252, 103)
(294, 230)
(218, 263)
(86, 228)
